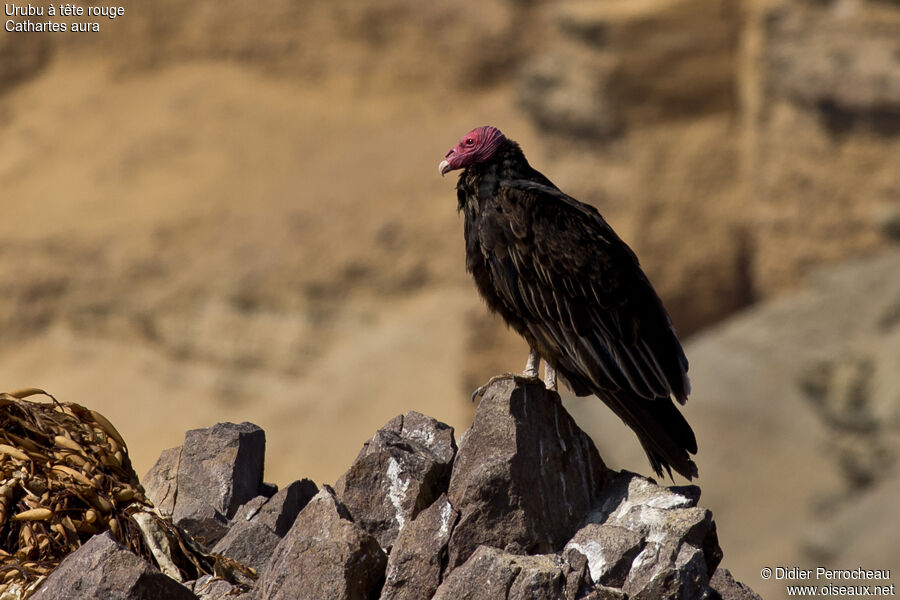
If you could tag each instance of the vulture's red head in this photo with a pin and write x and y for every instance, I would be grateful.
(477, 146)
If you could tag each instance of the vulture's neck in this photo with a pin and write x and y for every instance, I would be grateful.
(482, 180)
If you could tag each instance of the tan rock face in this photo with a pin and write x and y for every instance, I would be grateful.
(826, 163)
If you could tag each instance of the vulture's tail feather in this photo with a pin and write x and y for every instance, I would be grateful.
(662, 430)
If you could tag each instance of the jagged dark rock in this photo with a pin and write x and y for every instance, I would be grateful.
(279, 512)
(525, 474)
(249, 542)
(415, 563)
(612, 550)
(160, 483)
(252, 508)
(103, 568)
(398, 472)
(205, 523)
(525, 508)
(666, 544)
(260, 524)
(220, 468)
(324, 555)
(724, 587)
(212, 588)
(493, 573)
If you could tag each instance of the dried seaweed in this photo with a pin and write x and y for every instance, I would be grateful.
(65, 476)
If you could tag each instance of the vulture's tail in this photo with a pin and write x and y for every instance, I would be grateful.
(663, 432)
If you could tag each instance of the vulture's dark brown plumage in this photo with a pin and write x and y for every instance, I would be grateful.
(561, 277)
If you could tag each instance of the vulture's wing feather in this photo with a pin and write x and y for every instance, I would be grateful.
(582, 285)
(579, 291)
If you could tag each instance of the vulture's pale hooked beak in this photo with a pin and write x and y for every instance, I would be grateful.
(444, 167)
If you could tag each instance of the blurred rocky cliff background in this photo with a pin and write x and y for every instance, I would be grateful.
(229, 211)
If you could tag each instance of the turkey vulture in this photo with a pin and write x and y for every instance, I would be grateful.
(560, 276)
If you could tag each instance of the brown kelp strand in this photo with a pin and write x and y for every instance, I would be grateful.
(65, 476)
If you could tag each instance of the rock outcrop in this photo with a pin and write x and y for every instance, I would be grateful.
(524, 507)
(103, 568)
(417, 560)
(399, 472)
(324, 555)
(524, 476)
(493, 573)
(261, 523)
(202, 484)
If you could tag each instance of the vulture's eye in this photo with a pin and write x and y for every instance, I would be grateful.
(470, 142)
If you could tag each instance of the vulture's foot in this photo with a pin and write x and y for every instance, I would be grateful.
(532, 365)
(550, 377)
(523, 378)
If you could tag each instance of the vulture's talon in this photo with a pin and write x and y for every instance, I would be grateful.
(517, 377)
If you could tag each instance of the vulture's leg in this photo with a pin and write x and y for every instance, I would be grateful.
(529, 374)
(550, 377)
(531, 367)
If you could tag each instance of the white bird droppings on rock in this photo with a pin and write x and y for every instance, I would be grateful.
(446, 513)
(397, 491)
(594, 554)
